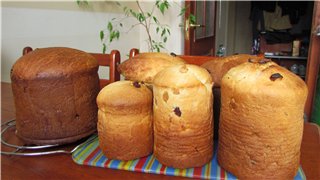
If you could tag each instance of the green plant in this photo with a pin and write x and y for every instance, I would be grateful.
(142, 17)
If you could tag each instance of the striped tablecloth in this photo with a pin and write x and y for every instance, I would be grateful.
(90, 154)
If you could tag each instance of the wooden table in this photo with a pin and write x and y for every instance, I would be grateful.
(62, 166)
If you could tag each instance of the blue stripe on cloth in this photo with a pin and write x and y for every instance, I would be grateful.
(215, 168)
(114, 164)
(102, 159)
(300, 175)
(154, 166)
(231, 176)
(169, 171)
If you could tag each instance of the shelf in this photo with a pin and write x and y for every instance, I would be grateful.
(286, 57)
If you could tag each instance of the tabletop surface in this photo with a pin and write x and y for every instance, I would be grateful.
(61, 166)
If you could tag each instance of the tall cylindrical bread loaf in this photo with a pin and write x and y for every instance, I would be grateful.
(125, 120)
(183, 125)
(217, 69)
(261, 121)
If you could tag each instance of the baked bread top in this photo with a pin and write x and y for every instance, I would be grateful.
(183, 76)
(219, 67)
(145, 66)
(53, 62)
(264, 78)
(125, 97)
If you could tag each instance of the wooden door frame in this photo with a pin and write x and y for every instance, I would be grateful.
(313, 62)
(187, 50)
(187, 41)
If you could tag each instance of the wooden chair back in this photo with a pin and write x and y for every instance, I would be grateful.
(111, 60)
(197, 60)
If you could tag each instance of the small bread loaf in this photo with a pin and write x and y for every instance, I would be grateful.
(183, 126)
(145, 66)
(219, 67)
(261, 121)
(125, 120)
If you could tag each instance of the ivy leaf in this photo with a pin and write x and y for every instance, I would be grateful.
(117, 34)
(165, 39)
(104, 48)
(162, 8)
(157, 29)
(157, 3)
(82, 2)
(166, 4)
(110, 27)
(168, 31)
(101, 35)
(182, 11)
(112, 35)
(155, 19)
(141, 17)
(163, 32)
(192, 19)
(134, 14)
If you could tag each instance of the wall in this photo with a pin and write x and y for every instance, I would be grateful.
(49, 24)
(175, 42)
(243, 28)
(233, 27)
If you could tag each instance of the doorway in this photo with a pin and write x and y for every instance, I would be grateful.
(200, 35)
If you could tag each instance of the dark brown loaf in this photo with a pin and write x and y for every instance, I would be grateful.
(145, 66)
(261, 121)
(54, 93)
(183, 125)
(125, 120)
(219, 67)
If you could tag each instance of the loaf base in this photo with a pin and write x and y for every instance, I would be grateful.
(55, 141)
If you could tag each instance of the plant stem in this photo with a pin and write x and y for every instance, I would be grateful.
(146, 27)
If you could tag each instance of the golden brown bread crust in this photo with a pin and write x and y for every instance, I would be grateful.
(54, 92)
(125, 120)
(261, 121)
(145, 66)
(53, 62)
(183, 126)
(219, 67)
